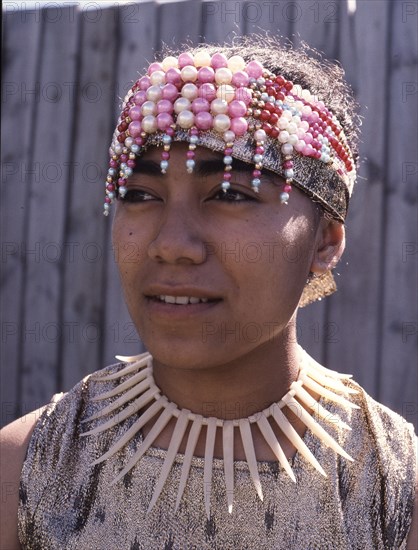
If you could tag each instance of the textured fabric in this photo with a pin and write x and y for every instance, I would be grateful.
(67, 504)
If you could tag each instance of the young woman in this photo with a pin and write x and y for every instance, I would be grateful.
(226, 434)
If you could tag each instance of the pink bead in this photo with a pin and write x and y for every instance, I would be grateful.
(199, 104)
(164, 120)
(135, 113)
(173, 76)
(239, 126)
(307, 150)
(135, 128)
(259, 150)
(165, 155)
(218, 60)
(190, 154)
(308, 138)
(144, 83)
(170, 132)
(113, 164)
(228, 151)
(256, 173)
(185, 59)
(243, 94)
(170, 92)
(107, 200)
(155, 67)
(206, 74)
(203, 120)
(140, 97)
(254, 69)
(121, 182)
(237, 108)
(287, 188)
(124, 158)
(194, 131)
(131, 163)
(227, 176)
(288, 164)
(207, 91)
(164, 106)
(139, 141)
(240, 78)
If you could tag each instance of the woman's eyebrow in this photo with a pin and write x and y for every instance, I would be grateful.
(208, 167)
(148, 167)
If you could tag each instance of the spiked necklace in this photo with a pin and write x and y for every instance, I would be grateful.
(139, 390)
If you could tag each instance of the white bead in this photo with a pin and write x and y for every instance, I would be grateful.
(118, 148)
(111, 195)
(190, 163)
(288, 173)
(283, 123)
(223, 76)
(181, 104)
(260, 135)
(169, 62)
(149, 124)
(292, 128)
(304, 125)
(185, 119)
(189, 73)
(284, 197)
(298, 105)
(148, 108)
(229, 136)
(293, 139)
(283, 136)
(164, 165)
(202, 59)
(154, 93)
(219, 107)
(128, 172)
(257, 159)
(157, 77)
(135, 148)
(221, 123)
(236, 63)
(288, 115)
(287, 149)
(226, 92)
(190, 91)
(122, 190)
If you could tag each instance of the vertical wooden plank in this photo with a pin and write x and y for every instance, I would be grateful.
(20, 62)
(178, 22)
(276, 18)
(316, 23)
(85, 232)
(221, 21)
(398, 375)
(355, 310)
(137, 38)
(47, 208)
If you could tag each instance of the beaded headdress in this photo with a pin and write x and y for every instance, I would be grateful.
(242, 109)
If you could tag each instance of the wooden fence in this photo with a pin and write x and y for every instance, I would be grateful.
(64, 70)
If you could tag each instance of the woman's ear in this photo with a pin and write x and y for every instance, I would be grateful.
(329, 245)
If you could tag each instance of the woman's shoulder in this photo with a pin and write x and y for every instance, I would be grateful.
(14, 442)
(22, 439)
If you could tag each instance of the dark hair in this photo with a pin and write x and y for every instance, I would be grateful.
(304, 66)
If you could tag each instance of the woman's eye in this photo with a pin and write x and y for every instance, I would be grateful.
(136, 195)
(232, 195)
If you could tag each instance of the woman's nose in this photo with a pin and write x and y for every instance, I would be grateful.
(178, 238)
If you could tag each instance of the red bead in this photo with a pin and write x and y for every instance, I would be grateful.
(121, 137)
(107, 200)
(123, 126)
(280, 80)
(288, 85)
(274, 132)
(110, 187)
(267, 128)
(280, 96)
(270, 107)
(274, 117)
(288, 164)
(265, 115)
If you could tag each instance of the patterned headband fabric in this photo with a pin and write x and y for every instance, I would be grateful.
(245, 111)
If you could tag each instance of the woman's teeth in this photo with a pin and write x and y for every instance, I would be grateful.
(182, 300)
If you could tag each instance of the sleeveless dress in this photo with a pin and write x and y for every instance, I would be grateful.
(66, 503)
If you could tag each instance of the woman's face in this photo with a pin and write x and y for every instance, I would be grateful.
(235, 262)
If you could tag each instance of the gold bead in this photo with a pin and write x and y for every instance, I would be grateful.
(132, 156)
(109, 179)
